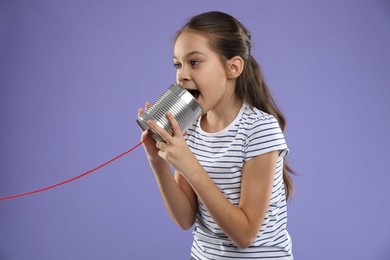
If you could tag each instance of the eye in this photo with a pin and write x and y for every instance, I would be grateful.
(195, 62)
(177, 65)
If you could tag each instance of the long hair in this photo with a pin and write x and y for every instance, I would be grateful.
(229, 38)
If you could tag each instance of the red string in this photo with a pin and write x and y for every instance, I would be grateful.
(75, 178)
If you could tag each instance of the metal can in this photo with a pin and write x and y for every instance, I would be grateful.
(179, 102)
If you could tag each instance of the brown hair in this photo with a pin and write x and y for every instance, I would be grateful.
(230, 38)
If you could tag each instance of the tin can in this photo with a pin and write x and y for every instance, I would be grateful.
(179, 102)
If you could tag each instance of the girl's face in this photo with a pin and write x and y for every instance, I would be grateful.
(201, 71)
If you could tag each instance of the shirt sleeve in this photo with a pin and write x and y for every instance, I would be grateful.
(264, 135)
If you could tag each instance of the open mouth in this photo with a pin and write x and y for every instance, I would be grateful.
(195, 93)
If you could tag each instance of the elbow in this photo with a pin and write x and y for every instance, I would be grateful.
(244, 242)
(185, 226)
(184, 221)
(245, 237)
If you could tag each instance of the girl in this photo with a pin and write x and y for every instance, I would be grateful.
(230, 177)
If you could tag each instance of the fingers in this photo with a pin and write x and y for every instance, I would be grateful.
(147, 132)
(162, 132)
(141, 110)
(160, 145)
(159, 130)
(174, 124)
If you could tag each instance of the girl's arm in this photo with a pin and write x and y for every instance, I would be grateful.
(178, 196)
(240, 223)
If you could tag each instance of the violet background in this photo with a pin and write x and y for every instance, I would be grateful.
(73, 73)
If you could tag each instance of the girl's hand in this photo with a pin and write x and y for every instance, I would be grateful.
(175, 150)
(149, 145)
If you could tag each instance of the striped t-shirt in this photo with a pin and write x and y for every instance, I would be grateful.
(223, 155)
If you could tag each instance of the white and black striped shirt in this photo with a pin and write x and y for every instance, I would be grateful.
(223, 155)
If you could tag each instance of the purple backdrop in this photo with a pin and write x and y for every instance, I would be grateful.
(73, 73)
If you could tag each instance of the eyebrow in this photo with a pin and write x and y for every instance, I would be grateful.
(191, 53)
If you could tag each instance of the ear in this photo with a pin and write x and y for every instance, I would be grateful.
(235, 66)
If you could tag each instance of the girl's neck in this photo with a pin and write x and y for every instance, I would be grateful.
(219, 118)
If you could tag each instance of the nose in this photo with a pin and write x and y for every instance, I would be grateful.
(182, 76)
